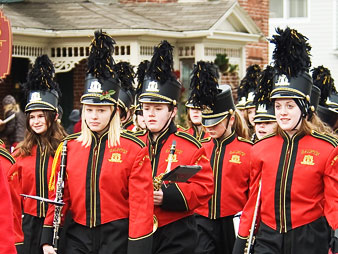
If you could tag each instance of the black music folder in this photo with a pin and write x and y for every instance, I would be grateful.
(181, 173)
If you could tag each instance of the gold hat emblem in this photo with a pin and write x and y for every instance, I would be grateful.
(35, 97)
(261, 108)
(95, 87)
(282, 81)
(207, 110)
(152, 87)
(308, 160)
(115, 157)
(235, 159)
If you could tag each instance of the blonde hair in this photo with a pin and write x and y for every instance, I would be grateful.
(114, 130)
(322, 127)
(240, 127)
(11, 107)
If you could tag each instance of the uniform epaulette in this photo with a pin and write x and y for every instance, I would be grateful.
(72, 136)
(139, 133)
(205, 140)
(7, 155)
(1, 142)
(189, 137)
(333, 141)
(265, 137)
(132, 137)
(244, 140)
(181, 127)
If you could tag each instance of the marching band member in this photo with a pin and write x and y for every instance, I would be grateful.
(34, 155)
(264, 119)
(195, 122)
(174, 202)
(296, 167)
(229, 153)
(108, 185)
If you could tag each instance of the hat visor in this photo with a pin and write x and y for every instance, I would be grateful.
(150, 99)
(39, 106)
(286, 94)
(264, 118)
(212, 121)
(96, 101)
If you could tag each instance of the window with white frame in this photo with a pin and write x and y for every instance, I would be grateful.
(288, 8)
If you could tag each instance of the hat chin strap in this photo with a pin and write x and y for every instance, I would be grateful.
(302, 106)
(111, 118)
(165, 125)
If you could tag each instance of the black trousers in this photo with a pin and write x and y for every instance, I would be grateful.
(215, 236)
(312, 238)
(32, 229)
(179, 237)
(109, 238)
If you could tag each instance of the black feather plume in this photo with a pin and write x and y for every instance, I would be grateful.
(140, 74)
(41, 77)
(249, 82)
(204, 84)
(100, 60)
(126, 74)
(322, 79)
(292, 52)
(264, 88)
(161, 64)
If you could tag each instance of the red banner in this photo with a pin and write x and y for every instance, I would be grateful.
(5, 46)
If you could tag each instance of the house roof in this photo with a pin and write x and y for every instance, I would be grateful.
(89, 15)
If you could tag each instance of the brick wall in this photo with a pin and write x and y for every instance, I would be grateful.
(78, 83)
(257, 53)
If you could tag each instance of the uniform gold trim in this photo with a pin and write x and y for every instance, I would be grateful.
(189, 137)
(132, 137)
(303, 96)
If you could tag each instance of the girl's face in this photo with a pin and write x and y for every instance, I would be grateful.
(37, 122)
(251, 114)
(265, 128)
(97, 117)
(287, 115)
(195, 116)
(221, 129)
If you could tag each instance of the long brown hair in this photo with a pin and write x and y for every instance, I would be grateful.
(50, 139)
(240, 127)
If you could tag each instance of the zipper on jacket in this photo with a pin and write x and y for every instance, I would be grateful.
(215, 171)
(93, 188)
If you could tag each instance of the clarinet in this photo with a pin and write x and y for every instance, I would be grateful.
(157, 181)
(59, 196)
(251, 240)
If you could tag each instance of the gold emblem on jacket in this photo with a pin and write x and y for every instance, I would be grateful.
(235, 159)
(307, 160)
(115, 157)
(174, 158)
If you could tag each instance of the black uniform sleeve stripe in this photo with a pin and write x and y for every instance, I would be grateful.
(204, 140)
(326, 138)
(72, 136)
(133, 138)
(144, 243)
(7, 155)
(189, 137)
(173, 199)
(265, 137)
(244, 140)
(139, 133)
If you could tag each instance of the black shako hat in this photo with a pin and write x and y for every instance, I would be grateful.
(292, 62)
(264, 108)
(102, 84)
(160, 84)
(42, 91)
(215, 101)
(127, 92)
(327, 109)
(247, 87)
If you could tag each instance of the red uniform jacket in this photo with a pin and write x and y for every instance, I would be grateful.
(33, 175)
(129, 125)
(106, 184)
(180, 199)
(230, 161)
(7, 161)
(6, 216)
(299, 184)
